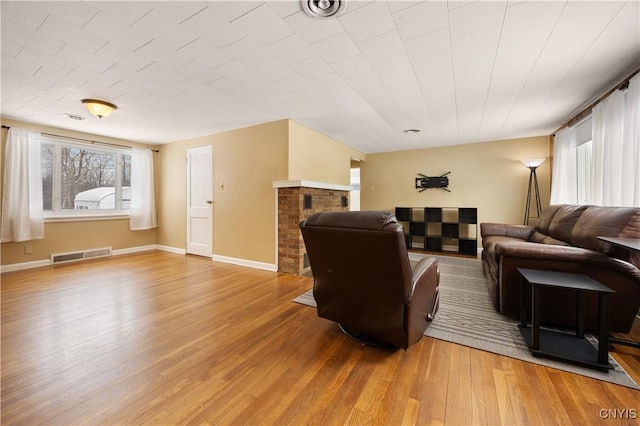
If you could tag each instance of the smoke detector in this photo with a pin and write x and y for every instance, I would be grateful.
(323, 9)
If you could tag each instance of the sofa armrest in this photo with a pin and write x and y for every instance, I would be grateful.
(570, 254)
(522, 232)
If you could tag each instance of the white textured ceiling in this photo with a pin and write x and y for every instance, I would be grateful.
(462, 72)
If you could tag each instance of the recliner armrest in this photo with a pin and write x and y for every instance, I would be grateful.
(522, 232)
(425, 274)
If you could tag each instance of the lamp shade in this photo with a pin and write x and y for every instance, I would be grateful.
(99, 108)
(533, 162)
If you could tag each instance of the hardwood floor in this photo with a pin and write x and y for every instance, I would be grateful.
(159, 338)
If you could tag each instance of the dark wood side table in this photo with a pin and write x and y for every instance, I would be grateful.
(559, 345)
(632, 244)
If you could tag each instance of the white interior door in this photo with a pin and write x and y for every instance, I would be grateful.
(200, 200)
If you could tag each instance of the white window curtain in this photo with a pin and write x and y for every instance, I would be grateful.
(616, 148)
(564, 185)
(143, 204)
(22, 215)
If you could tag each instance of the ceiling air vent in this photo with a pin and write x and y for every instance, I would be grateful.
(323, 9)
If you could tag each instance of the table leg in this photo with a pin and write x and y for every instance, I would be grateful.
(603, 333)
(523, 302)
(535, 320)
(579, 315)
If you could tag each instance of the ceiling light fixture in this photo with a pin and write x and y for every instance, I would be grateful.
(323, 9)
(99, 108)
(411, 131)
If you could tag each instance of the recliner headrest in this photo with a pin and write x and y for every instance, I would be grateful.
(369, 219)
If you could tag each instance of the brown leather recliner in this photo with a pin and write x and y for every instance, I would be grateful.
(363, 279)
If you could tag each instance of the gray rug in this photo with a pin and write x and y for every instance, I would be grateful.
(466, 317)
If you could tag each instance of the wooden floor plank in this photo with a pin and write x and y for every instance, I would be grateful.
(160, 338)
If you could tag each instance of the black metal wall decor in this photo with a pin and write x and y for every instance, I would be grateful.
(425, 182)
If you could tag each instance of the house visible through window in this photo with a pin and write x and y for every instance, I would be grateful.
(81, 180)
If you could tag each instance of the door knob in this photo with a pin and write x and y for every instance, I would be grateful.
(209, 202)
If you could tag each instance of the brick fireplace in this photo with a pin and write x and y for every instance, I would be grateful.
(297, 200)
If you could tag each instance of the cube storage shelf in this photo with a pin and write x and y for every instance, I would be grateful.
(440, 229)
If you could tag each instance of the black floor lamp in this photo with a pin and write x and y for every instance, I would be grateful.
(532, 164)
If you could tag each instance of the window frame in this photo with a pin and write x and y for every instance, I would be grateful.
(57, 214)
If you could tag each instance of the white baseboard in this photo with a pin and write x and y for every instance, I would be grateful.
(24, 265)
(170, 249)
(138, 249)
(128, 250)
(244, 262)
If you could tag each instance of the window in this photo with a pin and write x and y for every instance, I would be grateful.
(78, 180)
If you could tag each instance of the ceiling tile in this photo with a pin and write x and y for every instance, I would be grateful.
(204, 53)
(291, 49)
(382, 46)
(368, 21)
(10, 47)
(312, 68)
(263, 25)
(312, 30)
(163, 73)
(421, 18)
(477, 16)
(76, 12)
(232, 10)
(115, 31)
(212, 27)
(97, 78)
(122, 55)
(23, 35)
(23, 13)
(127, 12)
(20, 65)
(274, 69)
(75, 55)
(71, 34)
(164, 54)
(351, 67)
(247, 51)
(179, 11)
(163, 30)
(38, 57)
(284, 8)
(336, 48)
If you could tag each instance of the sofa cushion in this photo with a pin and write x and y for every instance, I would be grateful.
(564, 221)
(545, 218)
(538, 237)
(622, 222)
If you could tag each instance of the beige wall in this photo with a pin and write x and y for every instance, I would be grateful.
(246, 161)
(61, 237)
(489, 176)
(316, 157)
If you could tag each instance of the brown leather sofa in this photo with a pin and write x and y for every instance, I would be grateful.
(565, 240)
(363, 279)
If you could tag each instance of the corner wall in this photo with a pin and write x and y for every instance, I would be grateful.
(245, 163)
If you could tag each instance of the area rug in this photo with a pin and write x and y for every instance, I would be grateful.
(466, 317)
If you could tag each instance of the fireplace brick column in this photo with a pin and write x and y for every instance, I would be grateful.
(296, 202)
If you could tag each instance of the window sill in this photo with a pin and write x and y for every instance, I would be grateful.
(58, 217)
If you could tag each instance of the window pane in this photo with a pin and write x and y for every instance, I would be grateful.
(88, 179)
(583, 170)
(126, 181)
(46, 154)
